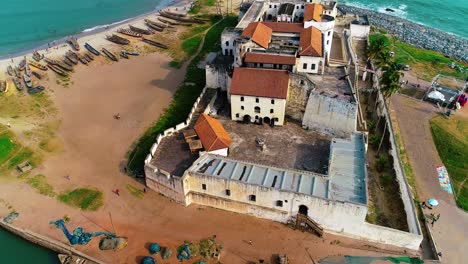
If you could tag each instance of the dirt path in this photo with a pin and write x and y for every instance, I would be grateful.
(413, 120)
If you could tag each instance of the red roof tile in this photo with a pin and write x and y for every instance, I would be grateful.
(283, 27)
(269, 58)
(260, 82)
(313, 12)
(258, 33)
(212, 133)
(310, 42)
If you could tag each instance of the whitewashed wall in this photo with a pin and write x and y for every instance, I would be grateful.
(249, 104)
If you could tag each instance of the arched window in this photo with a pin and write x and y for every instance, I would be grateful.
(257, 109)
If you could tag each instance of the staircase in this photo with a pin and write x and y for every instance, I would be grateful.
(305, 223)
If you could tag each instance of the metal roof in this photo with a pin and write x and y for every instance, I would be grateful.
(304, 182)
(347, 169)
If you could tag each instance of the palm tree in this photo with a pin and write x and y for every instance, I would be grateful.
(378, 51)
(390, 84)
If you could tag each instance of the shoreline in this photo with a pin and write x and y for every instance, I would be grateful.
(416, 34)
(95, 29)
(94, 37)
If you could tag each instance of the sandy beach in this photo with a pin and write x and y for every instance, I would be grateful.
(93, 147)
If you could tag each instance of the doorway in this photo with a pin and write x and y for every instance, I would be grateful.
(303, 210)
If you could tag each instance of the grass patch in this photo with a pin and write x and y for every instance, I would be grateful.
(6, 146)
(24, 155)
(182, 101)
(450, 138)
(135, 191)
(426, 63)
(39, 182)
(190, 45)
(175, 64)
(84, 198)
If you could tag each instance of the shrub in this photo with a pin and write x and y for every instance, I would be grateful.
(381, 163)
(374, 139)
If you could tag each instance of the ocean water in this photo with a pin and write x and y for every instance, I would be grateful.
(448, 16)
(26, 24)
(16, 250)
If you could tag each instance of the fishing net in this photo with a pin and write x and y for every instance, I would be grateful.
(78, 236)
(154, 248)
(148, 260)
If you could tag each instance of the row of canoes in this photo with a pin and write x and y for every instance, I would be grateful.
(180, 17)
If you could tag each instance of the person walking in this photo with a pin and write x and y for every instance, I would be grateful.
(435, 219)
(117, 191)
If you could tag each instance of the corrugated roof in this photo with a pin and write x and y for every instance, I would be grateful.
(269, 58)
(304, 182)
(282, 27)
(313, 12)
(260, 82)
(258, 33)
(212, 133)
(310, 42)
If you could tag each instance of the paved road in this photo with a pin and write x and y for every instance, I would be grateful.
(450, 231)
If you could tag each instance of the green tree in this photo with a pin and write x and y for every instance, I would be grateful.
(390, 80)
(379, 51)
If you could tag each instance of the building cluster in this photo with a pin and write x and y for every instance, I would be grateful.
(278, 137)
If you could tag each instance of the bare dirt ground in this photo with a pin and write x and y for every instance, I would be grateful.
(94, 146)
(450, 231)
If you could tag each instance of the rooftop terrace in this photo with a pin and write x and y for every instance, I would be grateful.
(332, 83)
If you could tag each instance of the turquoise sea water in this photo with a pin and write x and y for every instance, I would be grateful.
(16, 250)
(448, 16)
(26, 24)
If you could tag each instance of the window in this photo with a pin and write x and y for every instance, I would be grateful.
(304, 66)
(228, 192)
(329, 32)
(302, 7)
(242, 107)
(242, 98)
(261, 65)
(302, 82)
(275, 6)
(257, 109)
(226, 52)
(227, 43)
(312, 67)
(255, 64)
(271, 6)
(257, 100)
(272, 101)
(297, 7)
(328, 42)
(237, 115)
(252, 198)
(279, 203)
(203, 186)
(256, 117)
(271, 111)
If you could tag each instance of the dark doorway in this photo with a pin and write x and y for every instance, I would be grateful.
(230, 52)
(266, 120)
(269, 17)
(247, 119)
(303, 210)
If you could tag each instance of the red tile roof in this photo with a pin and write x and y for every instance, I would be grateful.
(269, 58)
(258, 33)
(260, 82)
(283, 27)
(310, 42)
(212, 133)
(313, 12)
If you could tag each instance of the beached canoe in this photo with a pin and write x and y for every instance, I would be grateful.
(155, 43)
(3, 86)
(36, 56)
(10, 70)
(88, 56)
(35, 90)
(174, 14)
(18, 84)
(72, 56)
(172, 22)
(141, 30)
(123, 54)
(118, 40)
(133, 53)
(129, 32)
(37, 75)
(154, 27)
(110, 55)
(74, 43)
(91, 49)
(22, 64)
(27, 81)
(17, 72)
(27, 70)
(180, 18)
(60, 64)
(71, 259)
(81, 58)
(57, 70)
(67, 61)
(37, 65)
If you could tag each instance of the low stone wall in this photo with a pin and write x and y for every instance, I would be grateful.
(47, 242)
(164, 183)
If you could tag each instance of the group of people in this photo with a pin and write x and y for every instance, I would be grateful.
(433, 218)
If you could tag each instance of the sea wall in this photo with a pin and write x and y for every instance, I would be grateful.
(418, 35)
(47, 242)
